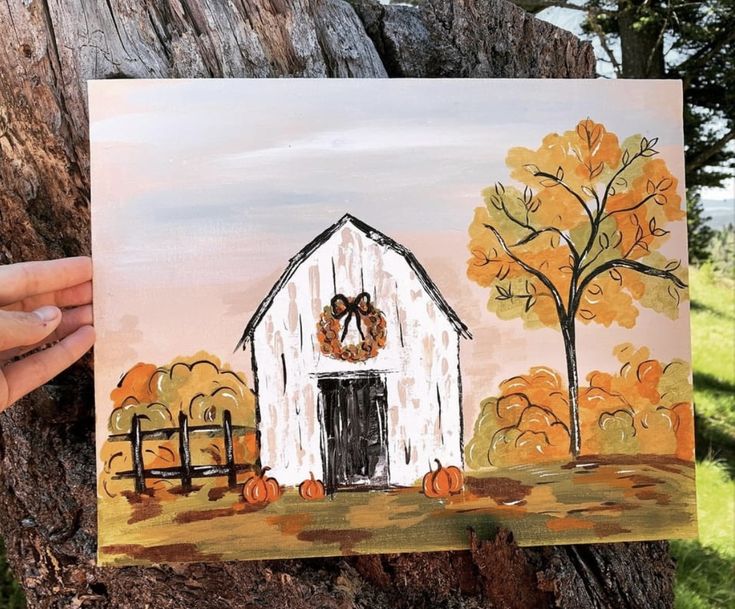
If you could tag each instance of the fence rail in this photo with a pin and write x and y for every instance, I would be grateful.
(186, 472)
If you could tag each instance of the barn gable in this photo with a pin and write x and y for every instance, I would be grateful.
(374, 235)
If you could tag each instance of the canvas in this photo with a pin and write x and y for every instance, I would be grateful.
(361, 316)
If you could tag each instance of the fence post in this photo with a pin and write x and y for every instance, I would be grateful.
(184, 452)
(137, 448)
(229, 449)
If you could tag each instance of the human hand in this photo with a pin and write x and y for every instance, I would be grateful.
(42, 303)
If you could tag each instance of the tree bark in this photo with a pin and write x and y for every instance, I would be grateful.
(641, 43)
(48, 48)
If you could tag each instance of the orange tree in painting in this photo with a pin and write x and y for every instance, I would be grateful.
(577, 240)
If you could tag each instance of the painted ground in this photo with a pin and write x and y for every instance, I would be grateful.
(615, 499)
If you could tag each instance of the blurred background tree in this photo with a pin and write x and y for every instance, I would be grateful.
(700, 232)
(722, 253)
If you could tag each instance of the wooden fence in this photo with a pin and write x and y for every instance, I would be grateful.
(186, 472)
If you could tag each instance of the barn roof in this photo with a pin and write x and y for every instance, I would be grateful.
(295, 262)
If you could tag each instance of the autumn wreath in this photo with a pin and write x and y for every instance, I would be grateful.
(370, 323)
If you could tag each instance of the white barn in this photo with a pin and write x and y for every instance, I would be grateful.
(379, 422)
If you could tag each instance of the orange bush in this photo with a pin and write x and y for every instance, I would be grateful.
(199, 386)
(527, 422)
(644, 408)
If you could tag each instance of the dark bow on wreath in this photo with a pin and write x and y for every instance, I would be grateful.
(359, 305)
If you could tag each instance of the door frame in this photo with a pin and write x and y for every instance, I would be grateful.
(352, 374)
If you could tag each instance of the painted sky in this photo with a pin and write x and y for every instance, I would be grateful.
(203, 189)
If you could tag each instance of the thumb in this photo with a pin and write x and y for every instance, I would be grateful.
(20, 329)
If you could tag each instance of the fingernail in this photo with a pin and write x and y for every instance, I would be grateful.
(47, 314)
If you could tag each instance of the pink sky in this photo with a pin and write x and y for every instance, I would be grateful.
(202, 191)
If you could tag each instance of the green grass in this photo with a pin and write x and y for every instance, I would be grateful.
(713, 354)
(11, 596)
(706, 567)
(716, 508)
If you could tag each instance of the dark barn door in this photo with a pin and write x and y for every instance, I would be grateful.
(356, 440)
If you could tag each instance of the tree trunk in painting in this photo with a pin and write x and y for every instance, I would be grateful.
(47, 471)
(568, 332)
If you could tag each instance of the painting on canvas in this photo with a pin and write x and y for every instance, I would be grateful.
(346, 317)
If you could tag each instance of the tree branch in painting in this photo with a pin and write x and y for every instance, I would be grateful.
(580, 241)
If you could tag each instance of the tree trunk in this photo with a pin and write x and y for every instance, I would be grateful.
(641, 42)
(47, 472)
(568, 332)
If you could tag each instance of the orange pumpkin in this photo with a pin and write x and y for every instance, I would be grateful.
(456, 479)
(443, 481)
(259, 489)
(312, 489)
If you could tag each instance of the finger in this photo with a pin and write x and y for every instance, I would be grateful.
(19, 281)
(20, 329)
(71, 320)
(27, 374)
(68, 297)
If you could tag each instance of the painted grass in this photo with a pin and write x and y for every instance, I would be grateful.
(614, 499)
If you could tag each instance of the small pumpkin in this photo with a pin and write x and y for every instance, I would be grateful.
(312, 489)
(259, 488)
(443, 481)
(456, 479)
